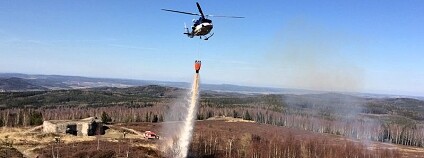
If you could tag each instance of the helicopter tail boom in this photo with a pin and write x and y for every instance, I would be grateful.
(187, 32)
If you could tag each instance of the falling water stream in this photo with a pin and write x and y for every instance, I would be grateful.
(187, 130)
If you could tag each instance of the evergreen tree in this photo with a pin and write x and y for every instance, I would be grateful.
(161, 118)
(147, 117)
(210, 114)
(247, 116)
(200, 117)
(155, 118)
(106, 118)
(235, 114)
(36, 118)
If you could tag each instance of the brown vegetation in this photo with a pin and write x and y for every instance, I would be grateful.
(90, 149)
(9, 152)
(231, 139)
(246, 139)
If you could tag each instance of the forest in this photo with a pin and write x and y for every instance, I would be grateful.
(392, 120)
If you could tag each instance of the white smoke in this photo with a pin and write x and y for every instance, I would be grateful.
(307, 56)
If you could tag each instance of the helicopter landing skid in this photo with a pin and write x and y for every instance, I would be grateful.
(209, 36)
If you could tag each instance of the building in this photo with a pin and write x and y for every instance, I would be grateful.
(85, 127)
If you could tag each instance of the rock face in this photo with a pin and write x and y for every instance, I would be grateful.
(85, 127)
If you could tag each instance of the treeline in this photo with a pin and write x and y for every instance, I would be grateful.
(96, 97)
(411, 134)
(20, 117)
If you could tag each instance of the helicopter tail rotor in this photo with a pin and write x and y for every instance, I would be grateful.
(186, 29)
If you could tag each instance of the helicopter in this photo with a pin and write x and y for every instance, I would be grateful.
(202, 26)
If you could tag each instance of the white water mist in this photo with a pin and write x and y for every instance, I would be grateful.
(187, 130)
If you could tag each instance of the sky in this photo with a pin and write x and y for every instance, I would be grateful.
(360, 46)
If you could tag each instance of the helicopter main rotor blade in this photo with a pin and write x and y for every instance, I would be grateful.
(224, 16)
(176, 11)
(200, 10)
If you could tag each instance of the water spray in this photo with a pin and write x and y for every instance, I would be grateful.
(184, 113)
(187, 130)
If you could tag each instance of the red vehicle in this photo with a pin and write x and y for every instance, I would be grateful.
(150, 135)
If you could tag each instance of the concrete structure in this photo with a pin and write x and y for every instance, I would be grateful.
(85, 127)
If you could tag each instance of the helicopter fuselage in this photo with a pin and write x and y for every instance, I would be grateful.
(202, 29)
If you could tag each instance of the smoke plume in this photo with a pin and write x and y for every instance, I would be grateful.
(308, 57)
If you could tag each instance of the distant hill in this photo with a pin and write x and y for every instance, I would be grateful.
(17, 84)
(30, 82)
(54, 82)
